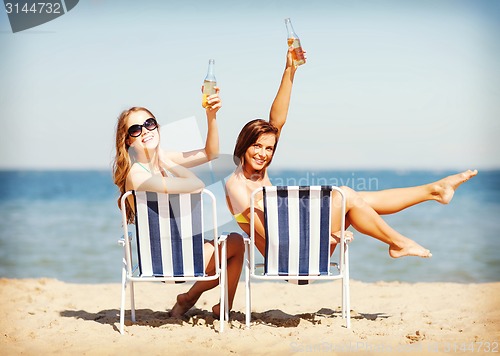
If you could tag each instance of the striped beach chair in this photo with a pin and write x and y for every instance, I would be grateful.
(297, 226)
(170, 234)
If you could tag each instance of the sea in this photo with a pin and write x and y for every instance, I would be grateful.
(66, 225)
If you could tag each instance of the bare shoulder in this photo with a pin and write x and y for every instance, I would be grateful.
(236, 189)
(233, 184)
(237, 194)
(136, 176)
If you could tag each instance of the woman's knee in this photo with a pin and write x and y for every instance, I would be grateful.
(235, 244)
(345, 193)
(352, 197)
(348, 191)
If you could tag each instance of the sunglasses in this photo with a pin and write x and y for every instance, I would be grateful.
(136, 130)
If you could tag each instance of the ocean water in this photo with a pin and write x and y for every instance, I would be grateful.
(65, 225)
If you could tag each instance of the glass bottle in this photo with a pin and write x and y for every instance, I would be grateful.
(209, 83)
(294, 41)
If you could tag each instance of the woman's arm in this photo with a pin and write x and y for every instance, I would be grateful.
(184, 181)
(281, 103)
(238, 201)
(211, 149)
(212, 141)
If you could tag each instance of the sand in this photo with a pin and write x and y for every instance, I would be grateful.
(46, 316)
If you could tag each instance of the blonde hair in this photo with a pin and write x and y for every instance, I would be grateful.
(122, 162)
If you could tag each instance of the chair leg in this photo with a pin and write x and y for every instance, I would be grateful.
(347, 290)
(223, 287)
(132, 302)
(122, 303)
(226, 307)
(222, 304)
(343, 296)
(248, 303)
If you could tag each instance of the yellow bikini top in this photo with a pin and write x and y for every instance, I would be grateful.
(240, 218)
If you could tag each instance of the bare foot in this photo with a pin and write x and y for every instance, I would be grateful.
(184, 303)
(410, 249)
(216, 310)
(445, 188)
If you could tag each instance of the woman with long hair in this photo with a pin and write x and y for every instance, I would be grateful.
(141, 164)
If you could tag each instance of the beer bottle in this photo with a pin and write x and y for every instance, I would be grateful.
(209, 83)
(294, 41)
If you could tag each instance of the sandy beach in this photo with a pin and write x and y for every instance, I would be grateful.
(52, 317)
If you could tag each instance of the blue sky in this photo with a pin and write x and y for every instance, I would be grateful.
(388, 84)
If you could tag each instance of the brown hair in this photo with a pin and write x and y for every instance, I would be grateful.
(122, 162)
(249, 134)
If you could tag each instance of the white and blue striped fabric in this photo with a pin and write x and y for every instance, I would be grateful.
(169, 231)
(297, 225)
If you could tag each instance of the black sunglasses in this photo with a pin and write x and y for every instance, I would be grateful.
(136, 130)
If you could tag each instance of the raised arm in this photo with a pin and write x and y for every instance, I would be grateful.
(279, 108)
(212, 141)
(211, 149)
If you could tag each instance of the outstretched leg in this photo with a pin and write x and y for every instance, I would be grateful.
(366, 220)
(235, 253)
(390, 201)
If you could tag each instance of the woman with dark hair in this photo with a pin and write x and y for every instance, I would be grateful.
(141, 164)
(255, 149)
